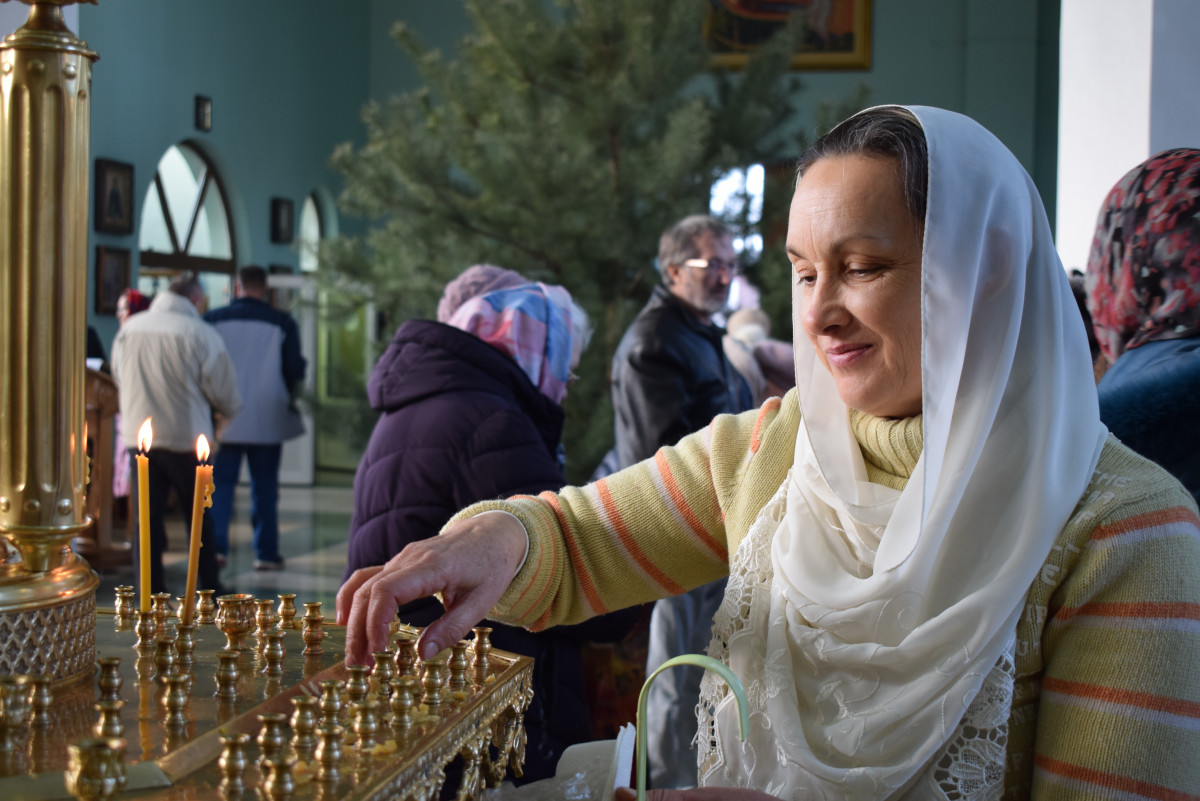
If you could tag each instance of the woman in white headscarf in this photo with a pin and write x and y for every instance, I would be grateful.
(945, 579)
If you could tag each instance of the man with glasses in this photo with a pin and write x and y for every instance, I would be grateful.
(670, 378)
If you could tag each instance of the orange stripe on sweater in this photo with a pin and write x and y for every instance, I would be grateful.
(1132, 609)
(771, 405)
(1159, 517)
(693, 520)
(549, 584)
(631, 547)
(581, 573)
(1110, 780)
(1116, 695)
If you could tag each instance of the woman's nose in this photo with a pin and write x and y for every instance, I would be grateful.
(824, 307)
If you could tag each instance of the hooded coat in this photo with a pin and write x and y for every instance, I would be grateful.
(462, 423)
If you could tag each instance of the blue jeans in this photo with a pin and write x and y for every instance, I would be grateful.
(264, 495)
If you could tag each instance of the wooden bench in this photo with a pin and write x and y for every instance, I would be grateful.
(97, 544)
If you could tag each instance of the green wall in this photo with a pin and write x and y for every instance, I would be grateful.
(287, 80)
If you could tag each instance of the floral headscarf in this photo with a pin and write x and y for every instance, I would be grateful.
(533, 325)
(1143, 277)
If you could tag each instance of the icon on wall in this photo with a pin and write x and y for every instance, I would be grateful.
(282, 216)
(113, 192)
(112, 277)
(203, 113)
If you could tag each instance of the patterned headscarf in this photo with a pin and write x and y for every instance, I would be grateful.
(1143, 277)
(532, 324)
(473, 282)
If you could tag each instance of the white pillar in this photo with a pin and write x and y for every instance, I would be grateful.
(1129, 87)
(1103, 110)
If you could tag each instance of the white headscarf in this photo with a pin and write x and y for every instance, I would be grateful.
(881, 612)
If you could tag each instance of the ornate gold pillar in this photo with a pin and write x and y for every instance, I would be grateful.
(48, 595)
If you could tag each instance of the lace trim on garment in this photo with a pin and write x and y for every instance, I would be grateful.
(970, 766)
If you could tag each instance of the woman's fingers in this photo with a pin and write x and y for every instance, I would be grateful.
(345, 595)
(470, 565)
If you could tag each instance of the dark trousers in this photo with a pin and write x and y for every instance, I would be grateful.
(264, 495)
(171, 469)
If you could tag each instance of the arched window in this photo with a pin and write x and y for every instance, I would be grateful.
(311, 231)
(185, 226)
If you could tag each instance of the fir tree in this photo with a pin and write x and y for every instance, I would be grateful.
(558, 142)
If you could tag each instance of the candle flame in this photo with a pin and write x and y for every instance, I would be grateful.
(202, 448)
(145, 436)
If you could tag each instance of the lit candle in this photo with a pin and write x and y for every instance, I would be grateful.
(201, 499)
(145, 435)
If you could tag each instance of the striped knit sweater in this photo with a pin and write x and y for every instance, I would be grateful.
(1107, 698)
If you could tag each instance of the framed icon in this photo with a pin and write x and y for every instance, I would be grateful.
(113, 192)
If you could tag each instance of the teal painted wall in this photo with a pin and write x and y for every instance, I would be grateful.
(997, 62)
(287, 79)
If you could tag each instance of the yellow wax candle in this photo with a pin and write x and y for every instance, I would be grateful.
(201, 499)
(145, 435)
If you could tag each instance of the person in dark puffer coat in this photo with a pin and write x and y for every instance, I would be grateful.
(463, 421)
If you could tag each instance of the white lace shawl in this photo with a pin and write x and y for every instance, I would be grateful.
(882, 612)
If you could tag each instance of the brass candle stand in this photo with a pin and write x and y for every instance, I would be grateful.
(219, 723)
(47, 593)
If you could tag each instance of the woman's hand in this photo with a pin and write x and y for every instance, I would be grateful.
(471, 565)
(698, 794)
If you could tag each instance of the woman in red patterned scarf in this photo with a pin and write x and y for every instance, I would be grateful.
(1144, 297)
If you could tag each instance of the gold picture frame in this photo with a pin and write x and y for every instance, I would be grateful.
(840, 40)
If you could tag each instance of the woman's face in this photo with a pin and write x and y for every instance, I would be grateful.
(856, 262)
(122, 309)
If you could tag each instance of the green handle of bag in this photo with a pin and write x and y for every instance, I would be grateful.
(708, 663)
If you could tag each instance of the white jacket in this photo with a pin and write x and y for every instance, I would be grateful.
(172, 366)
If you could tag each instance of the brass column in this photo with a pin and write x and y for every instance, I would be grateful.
(48, 594)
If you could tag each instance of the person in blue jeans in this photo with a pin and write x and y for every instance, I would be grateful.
(264, 344)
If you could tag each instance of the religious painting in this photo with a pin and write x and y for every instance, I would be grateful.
(837, 33)
(113, 209)
(283, 216)
(112, 277)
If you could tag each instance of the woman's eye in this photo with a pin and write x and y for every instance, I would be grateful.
(862, 270)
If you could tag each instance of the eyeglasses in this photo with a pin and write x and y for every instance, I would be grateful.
(718, 265)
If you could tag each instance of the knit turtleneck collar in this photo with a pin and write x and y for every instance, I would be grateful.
(890, 447)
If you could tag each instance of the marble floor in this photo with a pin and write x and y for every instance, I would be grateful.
(313, 522)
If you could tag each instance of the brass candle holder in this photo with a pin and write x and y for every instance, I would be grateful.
(108, 718)
(146, 631)
(271, 737)
(235, 618)
(16, 703)
(406, 654)
(304, 725)
(274, 653)
(185, 645)
(264, 618)
(206, 607)
(313, 633)
(287, 611)
(382, 675)
(96, 768)
(357, 684)
(160, 604)
(110, 680)
(232, 761)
